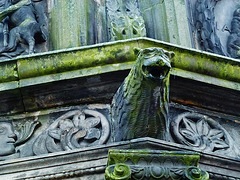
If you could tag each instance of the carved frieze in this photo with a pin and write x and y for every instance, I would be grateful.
(217, 26)
(233, 43)
(74, 129)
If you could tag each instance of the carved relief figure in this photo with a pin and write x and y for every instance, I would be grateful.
(233, 43)
(7, 138)
(11, 137)
(140, 106)
(25, 26)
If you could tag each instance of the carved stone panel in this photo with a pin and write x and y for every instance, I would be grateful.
(204, 133)
(12, 136)
(62, 130)
(75, 129)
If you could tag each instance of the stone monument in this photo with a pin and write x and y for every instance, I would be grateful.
(114, 89)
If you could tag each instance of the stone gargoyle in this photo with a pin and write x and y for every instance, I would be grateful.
(140, 106)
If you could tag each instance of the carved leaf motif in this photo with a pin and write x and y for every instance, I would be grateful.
(190, 125)
(75, 129)
(55, 133)
(25, 131)
(202, 127)
(219, 143)
(93, 133)
(138, 172)
(215, 133)
(89, 122)
(188, 134)
(176, 173)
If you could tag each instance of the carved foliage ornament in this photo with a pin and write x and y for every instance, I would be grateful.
(75, 129)
(200, 131)
(125, 20)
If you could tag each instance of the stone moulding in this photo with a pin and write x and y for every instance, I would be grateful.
(31, 74)
(89, 162)
(58, 65)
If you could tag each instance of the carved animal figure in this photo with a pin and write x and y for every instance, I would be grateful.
(23, 19)
(233, 43)
(140, 106)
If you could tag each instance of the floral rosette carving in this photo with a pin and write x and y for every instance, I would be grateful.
(200, 131)
(75, 129)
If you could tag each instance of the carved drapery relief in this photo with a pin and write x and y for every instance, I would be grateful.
(233, 43)
(206, 29)
(23, 25)
(75, 129)
(202, 132)
(218, 36)
(125, 20)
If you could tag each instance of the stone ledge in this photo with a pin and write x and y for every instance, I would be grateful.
(78, 163)
(53, 66)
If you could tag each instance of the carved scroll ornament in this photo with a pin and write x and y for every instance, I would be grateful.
(144, 165)
(75, 129)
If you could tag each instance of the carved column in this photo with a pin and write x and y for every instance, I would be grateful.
(76, 23)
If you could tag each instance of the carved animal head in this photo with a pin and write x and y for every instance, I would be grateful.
(155, 63)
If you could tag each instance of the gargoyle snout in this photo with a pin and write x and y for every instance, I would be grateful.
(157, 68)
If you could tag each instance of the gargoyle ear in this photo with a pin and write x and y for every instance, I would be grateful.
(170, 54)
(136, 50)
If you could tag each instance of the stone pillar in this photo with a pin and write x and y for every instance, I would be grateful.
(76, 23)
(166, 21)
